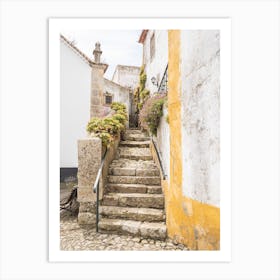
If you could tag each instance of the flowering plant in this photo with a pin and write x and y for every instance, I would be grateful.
(151, 113)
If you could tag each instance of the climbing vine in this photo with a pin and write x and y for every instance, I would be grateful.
(141, 93)
(108, 128)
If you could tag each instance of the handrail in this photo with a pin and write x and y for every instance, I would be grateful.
(164, 79)
(96, 188)
(160, 161)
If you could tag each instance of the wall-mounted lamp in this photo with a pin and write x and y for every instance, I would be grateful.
(154, 81)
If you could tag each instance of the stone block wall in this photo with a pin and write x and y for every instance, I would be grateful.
(89, 160)
(90, 153)
(97, 90)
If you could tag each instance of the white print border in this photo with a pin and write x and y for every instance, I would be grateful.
(56, 26)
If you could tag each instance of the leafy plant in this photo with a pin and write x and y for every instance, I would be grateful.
(108, 128)
(116, 106)
(141, 93)
(120, 117)
(151, 113)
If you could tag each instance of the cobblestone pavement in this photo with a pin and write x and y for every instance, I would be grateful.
(75, 237)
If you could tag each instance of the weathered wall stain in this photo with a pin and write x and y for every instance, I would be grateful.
(190, 219)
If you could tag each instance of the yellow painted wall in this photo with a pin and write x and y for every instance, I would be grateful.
(188, 221)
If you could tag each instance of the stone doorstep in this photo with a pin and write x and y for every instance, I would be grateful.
(135, 228)
(132, 188)
(130, 213)
(124, 171)
(134, 200)
(135, 144)
(147, 180)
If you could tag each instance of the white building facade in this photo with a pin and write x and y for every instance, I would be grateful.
(155, 56)
(155, 61)
(75, 90)
(85, 93)
(126, 76)
(116, 93)
(199, 103)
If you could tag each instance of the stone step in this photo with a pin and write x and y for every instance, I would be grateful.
(132, 188)
(132, 163)
(139, 144)
(129, 213)
(135, 228)
(134, 131)
(134, 200)
(135, 153)
(123, 171)
(147, 180)
(136, 137)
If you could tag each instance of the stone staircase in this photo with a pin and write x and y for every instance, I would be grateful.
(133, 203)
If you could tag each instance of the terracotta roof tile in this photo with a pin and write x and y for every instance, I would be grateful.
(143, 36)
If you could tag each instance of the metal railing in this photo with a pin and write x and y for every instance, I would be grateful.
(159, 159)
(96, 188)
(163, 86)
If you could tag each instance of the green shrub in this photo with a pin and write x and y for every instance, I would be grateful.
(108, 128)
(120, 117)
(116, 106)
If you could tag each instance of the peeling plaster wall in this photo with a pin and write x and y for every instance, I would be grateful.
(200, 70)
(190, 221)
(75, 88)
(155, 67)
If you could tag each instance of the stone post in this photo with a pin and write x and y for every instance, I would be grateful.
(97, 53)
(89, 160)
(97, 83)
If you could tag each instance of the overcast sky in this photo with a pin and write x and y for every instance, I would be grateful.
(118, 46)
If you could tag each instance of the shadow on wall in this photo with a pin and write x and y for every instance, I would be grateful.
(68, 175)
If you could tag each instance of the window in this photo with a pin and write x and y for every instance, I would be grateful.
(108, 99)
(152, 47)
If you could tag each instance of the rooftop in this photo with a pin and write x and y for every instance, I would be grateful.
(89, 61)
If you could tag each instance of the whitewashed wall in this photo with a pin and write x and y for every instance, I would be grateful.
(200, 70)
(155, 67)
(75, 78)
(126, 76)
(163, 142)
(119, 93)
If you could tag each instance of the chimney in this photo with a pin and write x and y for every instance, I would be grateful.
(97, 53)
